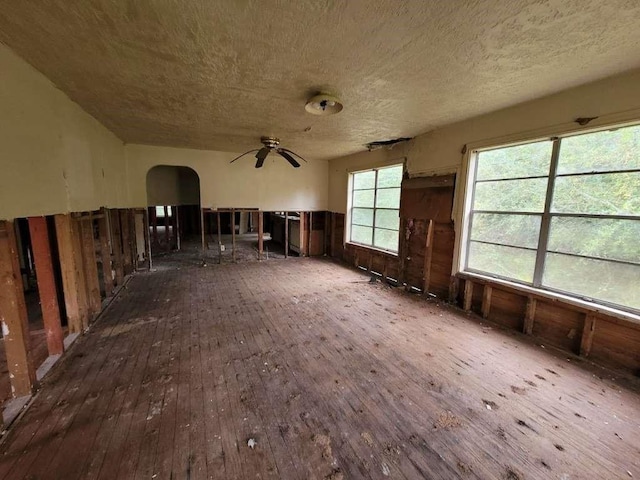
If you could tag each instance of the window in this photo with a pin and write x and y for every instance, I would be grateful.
(374, 209)
(561, 215)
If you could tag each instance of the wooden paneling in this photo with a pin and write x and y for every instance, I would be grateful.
(616, 344)
(507, 308)
(558, 326)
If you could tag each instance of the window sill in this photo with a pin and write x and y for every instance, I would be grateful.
(374, 249)
(537, 293)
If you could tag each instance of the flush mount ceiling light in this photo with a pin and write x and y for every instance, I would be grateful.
(323, 104)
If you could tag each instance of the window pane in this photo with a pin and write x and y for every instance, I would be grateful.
(601, 151)
(364, 180)
(387, 239)
(160, 211)
(362, 216)
(515, 230)
(362, 234)
(604, 238)
(530, 160)
(605, 194)
(598, 279)
(511, 195)
(388, 198)
(363, 198)
(509, 262)
(390, 177)
(388, 219)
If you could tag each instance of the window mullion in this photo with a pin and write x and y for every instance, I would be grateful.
(375, 198)
(543, 239)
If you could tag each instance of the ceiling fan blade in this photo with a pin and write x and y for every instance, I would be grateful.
(245, 153)
(292, 153)
(289, 158)
(261, 155)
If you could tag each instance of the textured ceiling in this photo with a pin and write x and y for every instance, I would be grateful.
(219, 74)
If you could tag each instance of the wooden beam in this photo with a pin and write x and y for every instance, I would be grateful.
(47, 289)
(167, 236)
(70, 256)
(428, 255)
(260, 234)
(468, 295)
(13, 313)
(133, 238)
(90, 269)
(125, 228)
(116, 245)
(105, 253)
(327, 239)
(303, 227)
(147, 239)
(486, 300)
(202, 232)
(454, 285)
(587, 334)
(333, 234)
(233, 235)
(530, 314)
(154, 225)
(219, 238)
(310, 234)
(286, 234)
(176, 226)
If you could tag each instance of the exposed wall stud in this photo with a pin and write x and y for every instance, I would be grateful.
(260, 234)
(486, 300)
(13, 314)
(105, 252)
(46, 284)
(219, 238)
(428, 255)
(90, 268)
(587, 334)
(468, 295)
(530, 315)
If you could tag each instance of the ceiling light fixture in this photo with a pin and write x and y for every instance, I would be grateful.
(324, 104)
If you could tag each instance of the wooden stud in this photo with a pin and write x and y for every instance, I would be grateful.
(428, 254)
(233, 235)
(116, 245)
(105, 253)
(486, 300)
(47, 289)
(303, 227)
(15, 327)
(202, 232)
(219, 238)
(133, 238)
(454, 285)
(260, 234)
(468, 295)
(154, 224)
(167, 235)
(286, 234)
(587, 334)
(70, 257)
(176, 226)
(125, 228)
(147, 239)
(529, 316)
(333, 234)
(90, 268)
(310, 235)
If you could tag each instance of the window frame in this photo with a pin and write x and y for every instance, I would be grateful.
(350, 206)
(546, 218)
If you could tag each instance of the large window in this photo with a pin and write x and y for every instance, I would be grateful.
(561, 215)
(374, 207)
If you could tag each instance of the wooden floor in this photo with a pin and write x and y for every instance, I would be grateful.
(332, 376)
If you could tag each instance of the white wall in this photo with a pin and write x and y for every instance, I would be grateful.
(275, 186)
(54, 157)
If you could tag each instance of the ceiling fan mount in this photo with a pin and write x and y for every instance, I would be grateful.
(272, 144)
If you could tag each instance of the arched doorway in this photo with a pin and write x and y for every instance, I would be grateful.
(173, 200)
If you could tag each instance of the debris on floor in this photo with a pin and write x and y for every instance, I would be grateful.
(251, 443)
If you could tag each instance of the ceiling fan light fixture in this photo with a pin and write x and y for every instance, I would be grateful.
(324, 104)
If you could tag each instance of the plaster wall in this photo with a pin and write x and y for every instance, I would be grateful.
(439, 151)
(275, 186)
(54, 157)
(169, 185)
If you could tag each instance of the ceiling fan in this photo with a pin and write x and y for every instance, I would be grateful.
(271, 144)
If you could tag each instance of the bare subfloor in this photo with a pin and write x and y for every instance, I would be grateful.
(331, 376)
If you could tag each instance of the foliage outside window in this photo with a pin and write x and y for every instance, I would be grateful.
(561, 215)
(375, 207)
